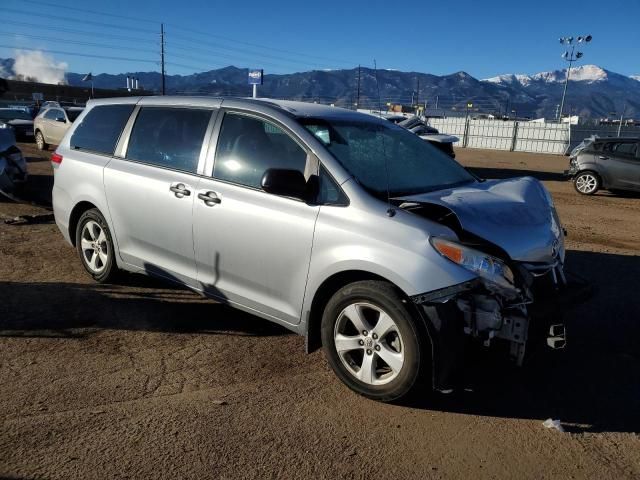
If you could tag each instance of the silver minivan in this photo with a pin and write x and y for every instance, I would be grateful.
(340, 226)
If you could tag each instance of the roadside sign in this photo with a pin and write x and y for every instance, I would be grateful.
(255, 76)
(37, 97)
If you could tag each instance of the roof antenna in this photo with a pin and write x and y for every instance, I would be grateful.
(390, 211)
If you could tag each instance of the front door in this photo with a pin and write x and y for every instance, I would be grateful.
(151, 192)
(621, 164)
(253, 248)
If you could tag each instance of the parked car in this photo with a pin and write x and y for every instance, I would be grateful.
(426, 132)
(340, 226)
(605, 163)
(52, 123)
(13, 166)
(18, 120)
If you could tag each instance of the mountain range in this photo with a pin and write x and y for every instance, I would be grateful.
(592, 92)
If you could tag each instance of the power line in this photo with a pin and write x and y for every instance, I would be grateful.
(57, 28)
(83, 21)
(60, 52)
(93, 12)
(77, 42)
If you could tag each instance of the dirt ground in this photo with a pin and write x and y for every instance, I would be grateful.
(142, 380)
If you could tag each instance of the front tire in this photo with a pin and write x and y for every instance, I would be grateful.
(95, 246)
(40, 143)
(587, 182)
(372, 342)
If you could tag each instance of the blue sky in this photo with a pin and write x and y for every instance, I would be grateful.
(484, 38)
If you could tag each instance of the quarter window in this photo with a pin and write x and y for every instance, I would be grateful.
(247, 147)
(169, 137)
(100, 128)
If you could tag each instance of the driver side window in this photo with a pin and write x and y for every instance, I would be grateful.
(248, 146)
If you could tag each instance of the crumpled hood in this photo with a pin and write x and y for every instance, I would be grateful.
(513, 214)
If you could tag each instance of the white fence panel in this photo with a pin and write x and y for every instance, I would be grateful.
(490, 134)
(542, 137)
(451, 126)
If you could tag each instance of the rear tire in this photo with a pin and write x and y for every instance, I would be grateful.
(587, 182)
(40, 143)
(372, 341)
(95, 246)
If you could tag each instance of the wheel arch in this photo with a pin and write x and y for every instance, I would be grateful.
(74, 218)
(329, 287)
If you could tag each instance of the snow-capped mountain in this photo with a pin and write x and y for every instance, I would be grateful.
(593, 91)
(583, 73)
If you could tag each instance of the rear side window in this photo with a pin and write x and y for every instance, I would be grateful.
(169, 137)
(100, 129)
(247, 147)
(51, 114)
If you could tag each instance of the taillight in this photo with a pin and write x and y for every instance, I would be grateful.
(56, 158)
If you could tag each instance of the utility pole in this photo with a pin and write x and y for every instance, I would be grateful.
(162, 55)
(358, 91)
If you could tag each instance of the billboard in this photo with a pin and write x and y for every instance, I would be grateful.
(255, 76)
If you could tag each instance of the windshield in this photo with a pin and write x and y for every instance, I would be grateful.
(14, 114)
(373, 151)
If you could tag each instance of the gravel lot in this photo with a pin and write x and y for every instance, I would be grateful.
(142, 380)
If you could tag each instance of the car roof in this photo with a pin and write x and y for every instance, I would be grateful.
(290, 107)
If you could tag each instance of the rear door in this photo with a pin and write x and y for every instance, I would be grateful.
(57, 125)
(253, 248)
(621, 164)
(151, 189)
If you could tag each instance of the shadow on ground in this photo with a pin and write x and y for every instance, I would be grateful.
(593, 385)
(69, 310)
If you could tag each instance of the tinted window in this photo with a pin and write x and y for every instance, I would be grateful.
(169, 137)
(247, 147)
(627, 149)
(73, 114)
(100, 129)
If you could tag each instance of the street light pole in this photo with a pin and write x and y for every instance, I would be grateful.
(570, 57)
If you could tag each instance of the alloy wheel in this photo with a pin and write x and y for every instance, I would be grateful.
(94, 246)
(586, 183)
(368, 343)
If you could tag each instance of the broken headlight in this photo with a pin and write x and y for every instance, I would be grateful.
(486, 266)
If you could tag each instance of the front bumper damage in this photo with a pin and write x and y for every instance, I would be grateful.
(479, 311)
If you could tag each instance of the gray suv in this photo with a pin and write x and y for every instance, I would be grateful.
(340, 226)
(609, 163)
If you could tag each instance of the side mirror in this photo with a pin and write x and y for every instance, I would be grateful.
(61, 120)
(288, 183)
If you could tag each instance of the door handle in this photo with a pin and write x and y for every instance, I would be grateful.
(602, 157)
(180, 190)
(209, 198)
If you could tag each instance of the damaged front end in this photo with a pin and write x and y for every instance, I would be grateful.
(516, 249)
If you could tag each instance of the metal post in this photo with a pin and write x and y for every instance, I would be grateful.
(91, 87)
(162, 55)
(621, 118)
(358, 90)
(255, 91)
(566, 82)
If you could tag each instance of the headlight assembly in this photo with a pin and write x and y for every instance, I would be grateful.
(486, 266)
